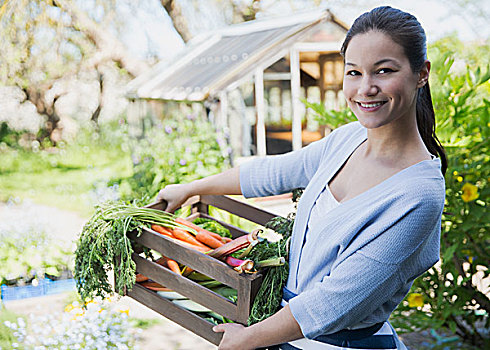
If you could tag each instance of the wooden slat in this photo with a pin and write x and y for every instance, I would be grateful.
(207, 265)
(186, 287)
(243, 302)
(195, 260)
(246, 211)
(185, 318)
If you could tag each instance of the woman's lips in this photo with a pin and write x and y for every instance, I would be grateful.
(370, 106)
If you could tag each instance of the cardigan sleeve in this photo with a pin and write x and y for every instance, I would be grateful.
(378, 274)
(272, 175)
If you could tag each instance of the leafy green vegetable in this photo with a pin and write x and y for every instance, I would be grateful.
(212, 226)
(268, 299)
(104, 241)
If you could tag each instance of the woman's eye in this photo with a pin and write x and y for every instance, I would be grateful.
(353, 73)
(385, 70)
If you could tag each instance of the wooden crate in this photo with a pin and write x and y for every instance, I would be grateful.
(246, 285)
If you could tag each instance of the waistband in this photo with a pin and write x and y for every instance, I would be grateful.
(362, 338)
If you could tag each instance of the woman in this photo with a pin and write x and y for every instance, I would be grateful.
(368, 222)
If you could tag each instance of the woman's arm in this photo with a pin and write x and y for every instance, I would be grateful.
(227, 182)
(277, 329)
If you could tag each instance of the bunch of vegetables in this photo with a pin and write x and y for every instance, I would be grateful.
(104, 239)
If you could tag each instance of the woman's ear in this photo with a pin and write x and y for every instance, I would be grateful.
(424, 74)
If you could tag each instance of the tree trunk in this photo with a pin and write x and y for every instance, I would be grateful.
(37, 96)
(96, 113)
(174, 10)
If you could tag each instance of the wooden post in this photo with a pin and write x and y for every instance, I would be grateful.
(260, 107)
(321, 62)
(295, 95)
(222, 120)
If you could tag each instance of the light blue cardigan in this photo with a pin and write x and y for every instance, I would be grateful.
(359, 267)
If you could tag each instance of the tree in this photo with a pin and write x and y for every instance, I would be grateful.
(47, 42)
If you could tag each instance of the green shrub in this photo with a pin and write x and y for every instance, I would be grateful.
(29, 254)
(183, 149)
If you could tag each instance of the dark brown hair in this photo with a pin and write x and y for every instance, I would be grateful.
(404, 29)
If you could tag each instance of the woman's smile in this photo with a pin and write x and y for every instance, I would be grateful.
(370, 106)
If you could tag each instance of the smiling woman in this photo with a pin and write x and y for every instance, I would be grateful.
(369, 220)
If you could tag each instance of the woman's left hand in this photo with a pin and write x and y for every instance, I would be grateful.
(235, 337)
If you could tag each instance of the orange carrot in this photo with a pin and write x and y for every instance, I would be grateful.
(174, 266)
(187, 237)
(200, 229)
(186, 271)
(141, 278)
(162, 230)
(208, 240)
(195, 247)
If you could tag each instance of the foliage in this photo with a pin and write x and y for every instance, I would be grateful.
(22, 260)
(98, 326)
(48, 45)
(27, 253)
(330, 117)
(104, 239)
(74, 174)
(8, 137)
(184, 149)
(268, 299)
(449, 295)
(213, 226)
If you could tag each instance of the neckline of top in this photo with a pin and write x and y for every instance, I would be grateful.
(382, 183)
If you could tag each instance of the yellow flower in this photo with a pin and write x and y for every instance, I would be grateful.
(455, 173)
(415, 300)
(459, 178)
(124, 310)
(69, 307)
(470, 192)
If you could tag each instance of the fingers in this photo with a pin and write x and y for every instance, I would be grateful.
(175, 195)
(219, 328)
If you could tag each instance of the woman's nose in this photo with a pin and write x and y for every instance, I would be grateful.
(368, 86)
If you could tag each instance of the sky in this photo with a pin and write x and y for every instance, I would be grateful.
(151, 33)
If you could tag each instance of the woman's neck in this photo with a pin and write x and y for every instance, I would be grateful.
(398, 142)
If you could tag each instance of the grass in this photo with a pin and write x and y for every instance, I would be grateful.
(6, 334)
(64, 178)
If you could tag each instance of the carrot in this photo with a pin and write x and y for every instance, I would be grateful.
(141, 278)
(186, 271)
(174, 266)
(187, 237)
(195, 247)
(200, 229)
(208, 240)
(162, 230)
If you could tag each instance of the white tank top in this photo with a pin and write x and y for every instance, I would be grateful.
(324, 203)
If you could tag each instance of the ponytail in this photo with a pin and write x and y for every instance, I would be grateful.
(426, 123)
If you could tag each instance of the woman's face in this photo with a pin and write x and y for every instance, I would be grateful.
(379, 84)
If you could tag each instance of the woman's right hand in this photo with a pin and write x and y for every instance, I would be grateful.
(175, 195)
